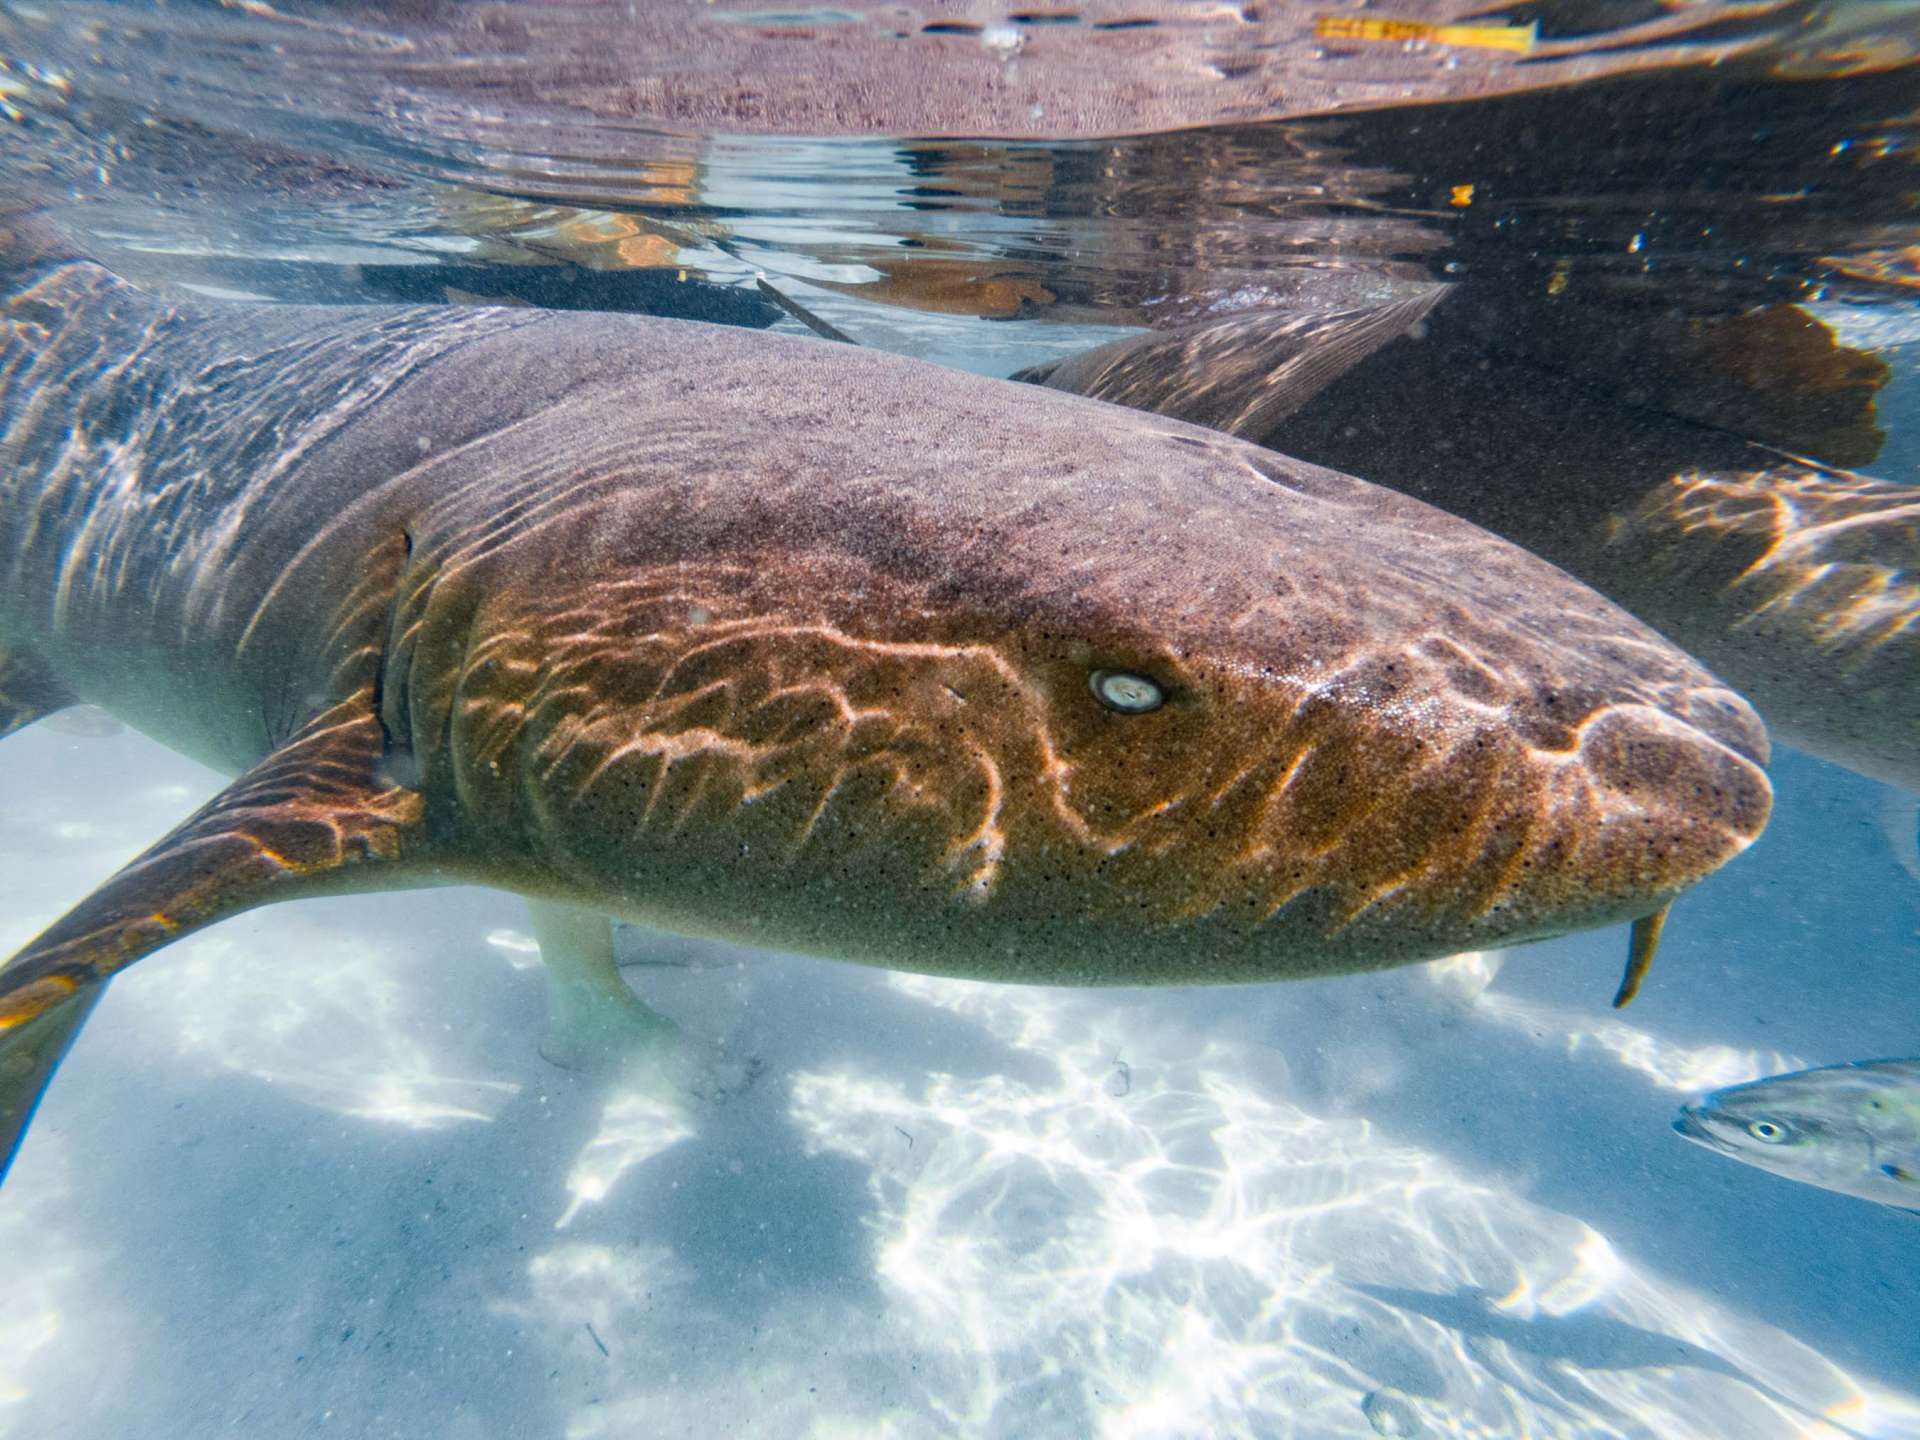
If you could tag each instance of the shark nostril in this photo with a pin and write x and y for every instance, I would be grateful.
(1727, 718)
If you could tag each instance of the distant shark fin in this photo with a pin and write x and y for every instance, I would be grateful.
(318, 816)
(1900, 823)
(29, 690)
(1242, 373)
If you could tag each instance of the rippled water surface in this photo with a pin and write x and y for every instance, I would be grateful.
(306, 1172)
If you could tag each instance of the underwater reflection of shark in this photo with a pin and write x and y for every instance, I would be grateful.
(802, 646)
(1853, 1129)
(1581, 1340)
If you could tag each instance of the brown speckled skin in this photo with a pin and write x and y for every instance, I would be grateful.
(787, 642)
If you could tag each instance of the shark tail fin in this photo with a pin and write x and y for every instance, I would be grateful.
(30, 1051)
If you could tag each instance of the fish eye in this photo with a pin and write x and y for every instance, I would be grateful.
(1767, 1131)
(1126, 692)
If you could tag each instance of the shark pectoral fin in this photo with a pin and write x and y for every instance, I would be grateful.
(29, 690)
(315, 817)
(1643, 940)
(594, 1022)
(30, 1053)
(301, 822)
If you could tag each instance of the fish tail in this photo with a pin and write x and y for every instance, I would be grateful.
(36, 1029)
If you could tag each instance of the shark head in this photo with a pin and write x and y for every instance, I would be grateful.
(1093, 697)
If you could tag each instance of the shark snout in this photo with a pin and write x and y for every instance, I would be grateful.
(1676, 801)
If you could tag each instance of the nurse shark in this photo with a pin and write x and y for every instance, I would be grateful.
(743, 635)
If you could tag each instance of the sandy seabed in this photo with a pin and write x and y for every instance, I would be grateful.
(306, 1174)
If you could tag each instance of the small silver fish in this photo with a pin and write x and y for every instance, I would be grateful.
(1852, 1128)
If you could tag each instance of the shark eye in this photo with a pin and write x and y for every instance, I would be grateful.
(1125, 692)
(1767, 1131)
